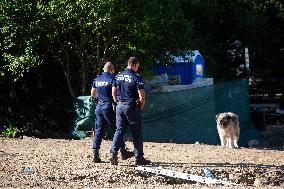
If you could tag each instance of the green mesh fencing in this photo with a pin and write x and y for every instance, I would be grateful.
(84, 119)
(181, 116)
(187, 115)
(233, 96)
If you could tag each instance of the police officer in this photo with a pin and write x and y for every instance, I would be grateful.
(105, 115)
(130, 97)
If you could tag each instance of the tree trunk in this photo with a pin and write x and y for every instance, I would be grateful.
(100, 60)
(67, 69)
(84, 68)
(67, 74)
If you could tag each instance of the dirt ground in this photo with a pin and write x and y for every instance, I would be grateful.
(60, 163)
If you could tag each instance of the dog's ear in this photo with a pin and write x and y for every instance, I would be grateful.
(217, 116)
(231, 116)
(234, 117)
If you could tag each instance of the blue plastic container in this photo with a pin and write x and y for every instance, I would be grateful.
(197, 68)
(185, 69)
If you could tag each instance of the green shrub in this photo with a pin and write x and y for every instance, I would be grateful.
(11, 131)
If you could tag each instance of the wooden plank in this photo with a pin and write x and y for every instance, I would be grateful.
(267, 105)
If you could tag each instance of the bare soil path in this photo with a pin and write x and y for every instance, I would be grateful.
(61, 163)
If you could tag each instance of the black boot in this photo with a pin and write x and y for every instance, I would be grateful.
(113, 159)
(126, 154)
(96, 158)
(142, 161)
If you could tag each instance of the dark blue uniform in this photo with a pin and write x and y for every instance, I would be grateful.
(105, 114)
(128, 83)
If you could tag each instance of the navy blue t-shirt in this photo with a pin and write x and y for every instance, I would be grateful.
(127, 83)
(103, 84)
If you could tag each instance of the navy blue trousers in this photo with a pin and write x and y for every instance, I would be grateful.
(105, 116)
(128, 114)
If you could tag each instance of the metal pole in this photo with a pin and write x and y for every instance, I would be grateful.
(247, 68)
(176, 174)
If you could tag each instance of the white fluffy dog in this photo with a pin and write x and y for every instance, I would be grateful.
(228, 129)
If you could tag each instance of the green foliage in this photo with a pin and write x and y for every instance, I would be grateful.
(219, 23)
(19, 65)
(11, 131)
(51, 50)
(19, 42)
(84, 34)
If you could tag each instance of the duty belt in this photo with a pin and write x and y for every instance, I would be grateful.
(106, 101)
(126, 102)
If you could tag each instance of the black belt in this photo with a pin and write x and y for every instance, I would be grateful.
(106, 101)
(126, 102)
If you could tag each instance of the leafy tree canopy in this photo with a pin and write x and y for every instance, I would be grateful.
(51, 50)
